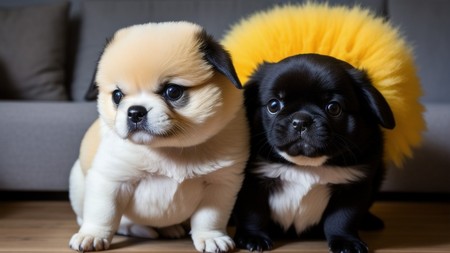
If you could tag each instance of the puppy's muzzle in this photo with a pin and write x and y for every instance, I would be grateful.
(301, 122)
(136, 114)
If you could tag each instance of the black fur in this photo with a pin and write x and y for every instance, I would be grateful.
(218, 57)
(305, 85)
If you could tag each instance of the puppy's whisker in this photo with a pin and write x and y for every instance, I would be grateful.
(183, 129)
(266, 143)
(350, 144)
(349, 148)
(262, 144)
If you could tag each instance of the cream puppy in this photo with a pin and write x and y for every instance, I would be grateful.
(170, 144)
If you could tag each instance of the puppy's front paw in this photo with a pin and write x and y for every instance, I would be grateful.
(213, 241)
(83, 242)
(347, 246)
(252, 243)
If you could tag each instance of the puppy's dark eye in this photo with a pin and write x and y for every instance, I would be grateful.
(334, 109)
(173, 92)
(274, 106)
(117, 96)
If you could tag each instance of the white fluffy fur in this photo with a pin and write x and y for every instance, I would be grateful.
(146, 185)
(304, 193)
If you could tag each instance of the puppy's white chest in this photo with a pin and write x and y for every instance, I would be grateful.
(304, 192)
(299, 204)
(161, 201)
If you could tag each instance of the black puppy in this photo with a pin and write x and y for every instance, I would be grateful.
(316, 159)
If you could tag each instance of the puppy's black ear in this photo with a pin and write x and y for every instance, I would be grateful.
(374, 99)
(251, 97)
(252, 90)
(92, 92)
(219, 58)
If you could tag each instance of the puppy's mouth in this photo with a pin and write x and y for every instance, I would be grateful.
(302, 153)
(301, 147)
(143, 129)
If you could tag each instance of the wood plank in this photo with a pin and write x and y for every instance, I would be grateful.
(46, 226)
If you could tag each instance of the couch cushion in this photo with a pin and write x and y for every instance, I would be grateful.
(32, 54)
(428, 170)
(101, 18)
(426, 25)
(40, 143)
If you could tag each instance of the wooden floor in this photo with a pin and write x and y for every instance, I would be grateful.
(47, 226)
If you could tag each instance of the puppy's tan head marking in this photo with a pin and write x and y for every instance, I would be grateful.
(166, 84)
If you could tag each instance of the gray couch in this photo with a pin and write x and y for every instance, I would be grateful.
(40, 136)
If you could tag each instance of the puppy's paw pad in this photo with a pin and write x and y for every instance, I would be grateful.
(254, 243)
(220, 243)
(175, 231)
(346, 246)
(83, 242)
(137, 230)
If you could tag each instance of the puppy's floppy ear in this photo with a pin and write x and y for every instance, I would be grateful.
(92, 92)
(252, 89)
(251, 97)
(373, 98)
(218, 57)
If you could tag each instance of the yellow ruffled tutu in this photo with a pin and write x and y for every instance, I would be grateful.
(352, 34)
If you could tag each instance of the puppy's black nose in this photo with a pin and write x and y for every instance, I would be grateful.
(301, 122)
(136, 113)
